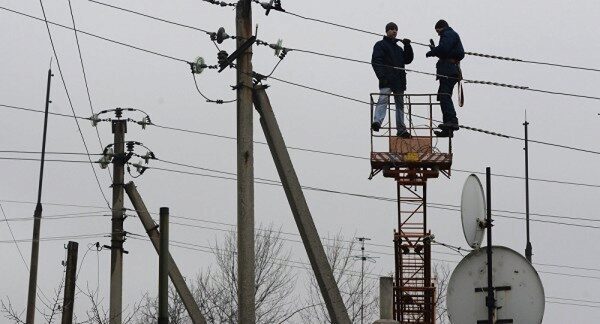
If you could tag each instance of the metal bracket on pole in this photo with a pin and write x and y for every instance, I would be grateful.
(239, 51)
(304, 221)
(176, 277)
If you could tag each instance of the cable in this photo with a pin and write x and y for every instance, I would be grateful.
(87, 88)
(333, 153)
(47, 160)
(431, 205)
(95, 36)
(60, 238)
(427, 45)
(218, 101)
(71, 104)
(365, 62)
(48, 153)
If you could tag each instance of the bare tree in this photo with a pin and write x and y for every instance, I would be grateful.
(441, 273)
(340, 254)
(49, 308)
(215, 289)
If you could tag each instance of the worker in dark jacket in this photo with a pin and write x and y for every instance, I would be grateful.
(450, 52)
(388, 62)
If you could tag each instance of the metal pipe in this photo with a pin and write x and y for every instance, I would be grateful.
(528, 247)
(490, 300)
(37, 220)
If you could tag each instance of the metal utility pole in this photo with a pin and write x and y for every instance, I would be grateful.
(37, 220)
(119, 128)
(363, 258)
(528, 248)
(245, 168)
(163, 268)
(70, 277)
(176, 278)
(306, 226)
(491, 299)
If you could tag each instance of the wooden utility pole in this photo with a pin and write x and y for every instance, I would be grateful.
(176, 278)
(245, 168)
(119, 128)
(163, 268)
(302, 216)
(37, 220)
(70, 277)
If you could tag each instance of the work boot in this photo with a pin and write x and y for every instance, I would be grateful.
(403, 134)
(375, 126)
(449, 125)
(445, 132)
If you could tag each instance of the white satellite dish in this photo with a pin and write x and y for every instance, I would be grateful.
(518, 289)
(473, 211)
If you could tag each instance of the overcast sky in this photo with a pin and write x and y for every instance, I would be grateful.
(550, 31)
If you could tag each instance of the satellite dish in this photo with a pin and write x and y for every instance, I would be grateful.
(473, 211)
(518, 289)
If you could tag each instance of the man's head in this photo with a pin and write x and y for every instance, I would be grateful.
(391, 30)
(440, 25)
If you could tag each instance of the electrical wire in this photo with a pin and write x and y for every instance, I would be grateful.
(189, 131)
(218, 101)
(365, 62)
(427, 45)
(231, 176)
(59, 238)
(71, 103)
(95, 36)
(87, 88)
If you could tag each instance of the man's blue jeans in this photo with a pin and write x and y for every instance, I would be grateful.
(382, 104)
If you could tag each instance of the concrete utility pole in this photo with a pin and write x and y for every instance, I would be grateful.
(163, 268)
(176, 277)
(37, 220)
(245, 168)
(386, 301)
(119, 128)
(304, 221)
(70, 277)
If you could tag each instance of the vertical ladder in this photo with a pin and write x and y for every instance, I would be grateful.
(413, 288)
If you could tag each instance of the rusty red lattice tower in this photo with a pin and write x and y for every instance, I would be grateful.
(411, 162)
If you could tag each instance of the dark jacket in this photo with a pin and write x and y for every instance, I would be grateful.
(449, 50)
(386, 55)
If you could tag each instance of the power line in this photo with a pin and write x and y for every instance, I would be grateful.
(322, 151)
(310, 88)
(60, 216)
(389, 199)
(59, 238)
(87, 88)
(367, 62)
(427, 45)
(95, 36)
(71, 103)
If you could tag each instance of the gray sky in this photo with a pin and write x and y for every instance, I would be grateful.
(551, 31)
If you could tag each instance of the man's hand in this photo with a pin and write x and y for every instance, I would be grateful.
(406, 41)
(429, 54)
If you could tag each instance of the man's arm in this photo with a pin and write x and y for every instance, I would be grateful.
(409, 55)
(378, 62)
(444, 47)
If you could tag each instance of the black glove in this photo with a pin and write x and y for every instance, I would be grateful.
(431, 44)
(406, 41)
(429, 54)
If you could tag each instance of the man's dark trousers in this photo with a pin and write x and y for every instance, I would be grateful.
(445, 99)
